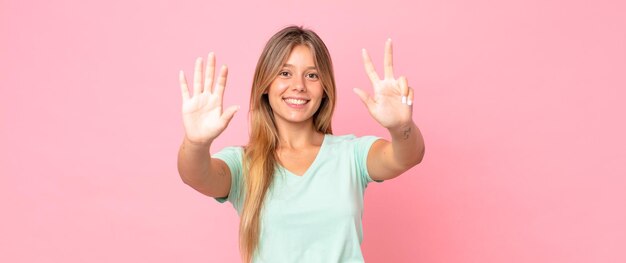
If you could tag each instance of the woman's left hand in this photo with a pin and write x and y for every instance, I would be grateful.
(391, 105)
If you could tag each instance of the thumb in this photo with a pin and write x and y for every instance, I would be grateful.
(228, 114)
(365, 98)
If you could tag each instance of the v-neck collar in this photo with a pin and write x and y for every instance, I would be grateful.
(313, 164)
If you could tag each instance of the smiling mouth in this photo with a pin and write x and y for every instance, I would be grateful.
(295, 101)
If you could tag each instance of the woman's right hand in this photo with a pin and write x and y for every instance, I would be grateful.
(203, 116)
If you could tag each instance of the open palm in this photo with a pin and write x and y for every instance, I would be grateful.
(392, 100)
(203, 116)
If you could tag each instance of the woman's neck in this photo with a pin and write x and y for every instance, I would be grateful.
(298, 135)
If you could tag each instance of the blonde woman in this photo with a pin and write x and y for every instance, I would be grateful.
(297, 188)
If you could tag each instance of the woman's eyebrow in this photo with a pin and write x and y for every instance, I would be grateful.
(292, 66)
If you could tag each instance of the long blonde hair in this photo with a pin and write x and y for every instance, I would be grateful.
(260, 154)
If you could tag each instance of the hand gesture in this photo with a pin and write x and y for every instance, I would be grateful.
(203, 116)
(391, 104)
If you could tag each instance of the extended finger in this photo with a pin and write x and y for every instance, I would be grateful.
(209, 72)
(228, 114)
(221, 81)
(365, 98)
(410, 97)
(183, 85)
(388, 61)
(369, 67)
(197, 77)
(404, 88)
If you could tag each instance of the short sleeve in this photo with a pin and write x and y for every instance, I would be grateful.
(362, 147)
(233, 157)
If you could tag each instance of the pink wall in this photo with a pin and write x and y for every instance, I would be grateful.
(521, 104)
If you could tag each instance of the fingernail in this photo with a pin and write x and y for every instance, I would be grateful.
(409, 103)
(403, 99)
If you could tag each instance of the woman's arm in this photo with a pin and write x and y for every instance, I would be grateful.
(204, 120)
(387, 160)
(209, 176)
(392, 107)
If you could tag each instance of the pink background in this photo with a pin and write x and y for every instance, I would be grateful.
(520, 102)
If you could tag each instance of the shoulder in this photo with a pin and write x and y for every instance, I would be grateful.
(350, 143)
(350, 139)
(230, 154)
(231, 149)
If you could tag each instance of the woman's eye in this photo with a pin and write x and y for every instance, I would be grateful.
(284, 74)
(312, 76)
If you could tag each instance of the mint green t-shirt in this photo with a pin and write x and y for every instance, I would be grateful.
(315, 217)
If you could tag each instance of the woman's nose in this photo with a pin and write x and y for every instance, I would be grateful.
(298, 84)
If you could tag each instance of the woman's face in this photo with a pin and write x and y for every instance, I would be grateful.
(296, 93)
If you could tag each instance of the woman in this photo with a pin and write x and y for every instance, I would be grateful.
(297, 188)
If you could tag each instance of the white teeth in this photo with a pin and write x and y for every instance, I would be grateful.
(295, 101)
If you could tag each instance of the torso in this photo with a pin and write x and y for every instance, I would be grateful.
(316, 217)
